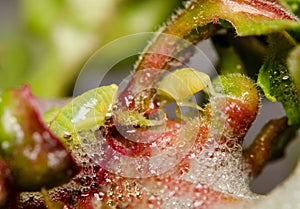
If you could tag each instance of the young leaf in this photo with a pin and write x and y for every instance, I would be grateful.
(275, 79)
(254, 17)
(35, 156)
(239, 87)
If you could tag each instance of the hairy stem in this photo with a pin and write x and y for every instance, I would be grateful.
(269, 144)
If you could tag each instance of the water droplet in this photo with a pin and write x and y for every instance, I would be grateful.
(84, 192)
(67, 135)
(285, 77)
(110, 203)
(85, 181)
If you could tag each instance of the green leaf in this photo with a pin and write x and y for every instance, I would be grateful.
(294, 67)
(85, 112)
(275, 79)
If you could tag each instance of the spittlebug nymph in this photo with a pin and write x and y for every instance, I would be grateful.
(182, 84)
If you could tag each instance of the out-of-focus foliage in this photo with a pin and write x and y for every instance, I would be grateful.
(53, 38)
(35, 156)
(294, 6)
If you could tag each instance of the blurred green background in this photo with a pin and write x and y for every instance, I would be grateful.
(45, 43)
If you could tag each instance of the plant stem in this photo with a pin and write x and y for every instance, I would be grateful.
(269, 144)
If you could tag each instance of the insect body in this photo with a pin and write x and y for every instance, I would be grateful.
(181, 85)
(178, 86)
